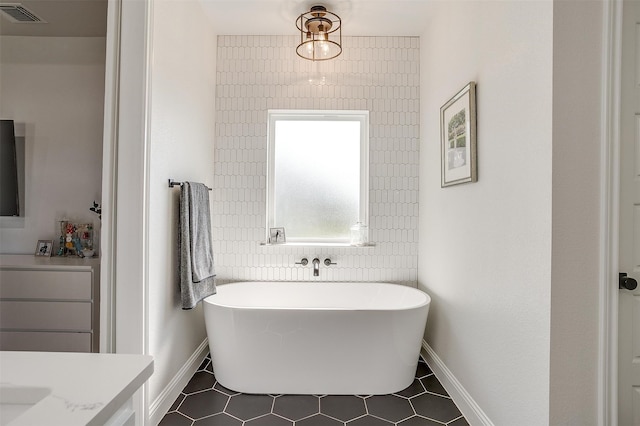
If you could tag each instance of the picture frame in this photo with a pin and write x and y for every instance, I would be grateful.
(44, 248)
(277, 236)
(458, 145)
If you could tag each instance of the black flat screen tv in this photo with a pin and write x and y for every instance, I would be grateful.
(9, 195)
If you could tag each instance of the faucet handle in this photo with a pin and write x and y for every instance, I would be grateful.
(304, 261)
(328, 262)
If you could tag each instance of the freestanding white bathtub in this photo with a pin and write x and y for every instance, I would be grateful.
(315, 338)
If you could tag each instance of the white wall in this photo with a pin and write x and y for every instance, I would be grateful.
(577, 85)
(378, 74)
(181, 147)
(55, 86)
(485, 247)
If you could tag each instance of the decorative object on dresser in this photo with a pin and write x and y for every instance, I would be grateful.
(76, 239)
(44, 248)
(97, 209)
(458, 138)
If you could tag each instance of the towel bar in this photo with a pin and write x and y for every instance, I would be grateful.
(173, 183)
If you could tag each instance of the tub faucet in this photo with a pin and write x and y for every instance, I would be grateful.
(316, 267)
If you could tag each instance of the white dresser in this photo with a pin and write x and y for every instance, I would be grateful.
(49, 304)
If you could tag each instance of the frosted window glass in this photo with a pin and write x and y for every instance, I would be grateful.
(317, 174)
(316, 178)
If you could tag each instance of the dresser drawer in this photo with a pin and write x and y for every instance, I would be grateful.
(25, 284)
(40, 316)
(44, 341)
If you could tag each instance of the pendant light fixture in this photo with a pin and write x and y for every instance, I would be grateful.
(320, 34)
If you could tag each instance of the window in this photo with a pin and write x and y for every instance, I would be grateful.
(318, 174)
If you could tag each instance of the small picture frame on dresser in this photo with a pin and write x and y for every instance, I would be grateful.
(276, 236)
(44, 248)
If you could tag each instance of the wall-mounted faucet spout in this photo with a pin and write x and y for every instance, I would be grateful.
(316, 267)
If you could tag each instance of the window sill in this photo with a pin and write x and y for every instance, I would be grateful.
(341, 245)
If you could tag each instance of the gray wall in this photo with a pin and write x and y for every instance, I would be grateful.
(53, 88)
(180, 147)
(577, 85)
(511, 261)
(485, 247)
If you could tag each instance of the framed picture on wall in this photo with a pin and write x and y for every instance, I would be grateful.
(44, 248)
(458, 138)
(276, 236)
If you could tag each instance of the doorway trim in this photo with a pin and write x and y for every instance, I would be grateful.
(109, 179)
(609, 214)
(125, 185)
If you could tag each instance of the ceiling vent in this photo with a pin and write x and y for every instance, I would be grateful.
(19, 14)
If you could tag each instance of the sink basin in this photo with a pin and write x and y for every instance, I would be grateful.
(15, 400)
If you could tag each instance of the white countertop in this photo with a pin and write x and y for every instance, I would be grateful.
(86, 388)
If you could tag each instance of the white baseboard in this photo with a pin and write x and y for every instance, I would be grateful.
(469, 408)
(163, 402)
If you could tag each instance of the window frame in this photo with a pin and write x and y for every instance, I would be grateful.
(361, 116)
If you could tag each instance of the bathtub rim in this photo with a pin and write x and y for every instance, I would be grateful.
(427, 299)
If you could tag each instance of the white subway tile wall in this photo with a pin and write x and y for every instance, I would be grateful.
(258, 73)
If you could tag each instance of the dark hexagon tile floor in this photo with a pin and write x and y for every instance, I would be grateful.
(205, 402)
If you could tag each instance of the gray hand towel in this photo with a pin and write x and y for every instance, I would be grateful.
(197, 273)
